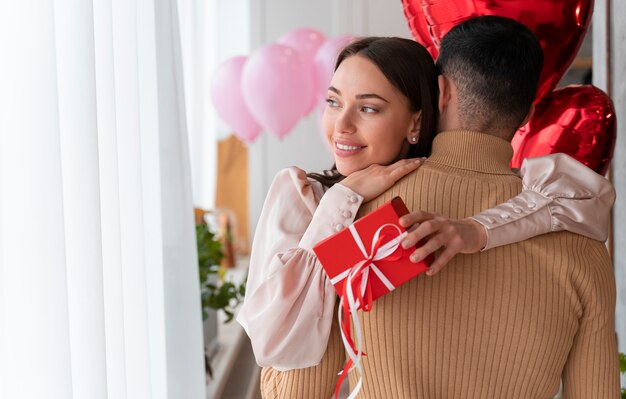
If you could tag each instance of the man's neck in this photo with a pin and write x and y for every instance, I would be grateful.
(505, 134)
(471, 150)
(501, 134)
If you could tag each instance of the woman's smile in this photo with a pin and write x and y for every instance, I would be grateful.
(344, 148)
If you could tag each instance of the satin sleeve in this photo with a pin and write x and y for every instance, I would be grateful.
(559, 193)
(288, 308)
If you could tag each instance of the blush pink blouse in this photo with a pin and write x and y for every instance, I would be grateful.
(289, 303)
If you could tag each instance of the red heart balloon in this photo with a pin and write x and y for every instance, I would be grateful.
(560, 25)
(417, 23)
(576, 120)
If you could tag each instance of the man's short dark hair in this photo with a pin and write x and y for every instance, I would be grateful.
(495, 63)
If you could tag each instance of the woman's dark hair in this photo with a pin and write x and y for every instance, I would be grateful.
(410, 69)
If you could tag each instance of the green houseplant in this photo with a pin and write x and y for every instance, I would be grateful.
(216, 293)
(622, 369)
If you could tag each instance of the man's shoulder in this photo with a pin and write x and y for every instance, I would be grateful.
(433, 173)
(430, 167)
(575, 250)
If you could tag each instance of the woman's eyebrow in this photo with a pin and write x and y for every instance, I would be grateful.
(359, 96)
(372, 95)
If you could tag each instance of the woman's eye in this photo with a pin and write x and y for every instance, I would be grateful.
(368, 110)
(332, 103)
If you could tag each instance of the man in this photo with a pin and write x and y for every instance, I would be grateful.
(512, 322)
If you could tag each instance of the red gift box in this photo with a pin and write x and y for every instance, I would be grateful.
(379, 232)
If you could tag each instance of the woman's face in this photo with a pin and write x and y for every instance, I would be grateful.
(367, 120)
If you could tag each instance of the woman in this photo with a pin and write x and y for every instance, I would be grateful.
(380, 117)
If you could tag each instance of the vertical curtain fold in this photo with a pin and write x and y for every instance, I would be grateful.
(180, 262)
(75, 76)
(199, 26)
(110, 200)
(35, 318)
(132, 250)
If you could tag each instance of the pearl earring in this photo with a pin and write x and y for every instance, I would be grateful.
(414, 139)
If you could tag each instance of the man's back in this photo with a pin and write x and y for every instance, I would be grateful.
(503, 323)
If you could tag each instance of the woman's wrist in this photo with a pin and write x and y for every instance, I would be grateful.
(480, 233)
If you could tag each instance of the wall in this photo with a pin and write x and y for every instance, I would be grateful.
(269, 20)
(608, 44)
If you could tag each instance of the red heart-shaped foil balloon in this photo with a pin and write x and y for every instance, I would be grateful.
(576, 120)
(417, 23)
(560, 25)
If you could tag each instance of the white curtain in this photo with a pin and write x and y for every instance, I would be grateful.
(198, 22)
(99, 292)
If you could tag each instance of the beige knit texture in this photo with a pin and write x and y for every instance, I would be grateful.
(510, 322)
(310, 383)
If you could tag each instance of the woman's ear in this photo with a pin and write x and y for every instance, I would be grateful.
(416, 122)
(414, 129)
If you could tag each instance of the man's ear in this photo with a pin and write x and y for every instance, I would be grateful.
(531, 112)
(444, 92)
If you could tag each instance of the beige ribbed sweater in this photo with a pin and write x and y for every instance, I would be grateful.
(506, 323)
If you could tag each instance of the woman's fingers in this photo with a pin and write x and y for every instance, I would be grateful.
(376, 179)
(403, 167)
(444, 257)
(412, 218)
(451, 235)
(421, 228)
(430, 246)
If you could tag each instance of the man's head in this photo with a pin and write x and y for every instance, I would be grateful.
(490, 69)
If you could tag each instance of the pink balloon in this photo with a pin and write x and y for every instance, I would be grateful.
(325, 60)
(228, 100)
(276, 88)
(307, 41)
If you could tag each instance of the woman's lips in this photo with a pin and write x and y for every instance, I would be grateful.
(346, 148)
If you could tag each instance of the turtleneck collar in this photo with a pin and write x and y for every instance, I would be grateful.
(470, 150)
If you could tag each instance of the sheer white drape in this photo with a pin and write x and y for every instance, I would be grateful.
(99, 289)
(199, 21)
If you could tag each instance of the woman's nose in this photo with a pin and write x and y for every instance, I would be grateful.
(344, 122)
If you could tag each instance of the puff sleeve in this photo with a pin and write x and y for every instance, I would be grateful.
(559, 193)
(289, 303)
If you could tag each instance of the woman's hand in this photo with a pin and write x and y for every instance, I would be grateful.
(376, 179)
(465, 236)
